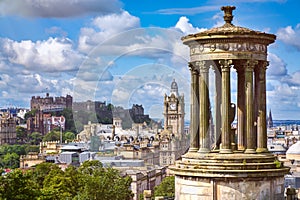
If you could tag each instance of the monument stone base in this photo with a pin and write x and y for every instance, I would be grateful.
(229, 176)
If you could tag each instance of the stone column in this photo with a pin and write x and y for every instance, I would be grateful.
(226, 101)
(251, 143)
(218, 93)
(261, 118)
(203, 107)
(240, 106)
(194, 109)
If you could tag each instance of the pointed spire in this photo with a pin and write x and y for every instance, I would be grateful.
(174, 88)
(270, 120)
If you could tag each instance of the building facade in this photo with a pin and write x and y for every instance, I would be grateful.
(173, 140)
(51, 103)
(8, 134)
(43, 120)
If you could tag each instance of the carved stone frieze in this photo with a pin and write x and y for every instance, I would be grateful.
(228, 55)
(228, 47)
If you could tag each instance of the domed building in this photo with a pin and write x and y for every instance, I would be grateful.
(293, 153)
(293, 157)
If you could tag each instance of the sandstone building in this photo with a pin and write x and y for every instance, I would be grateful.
(8, 133)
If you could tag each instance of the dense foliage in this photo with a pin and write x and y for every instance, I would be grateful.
(54, 135)
(90, 181)
(10, 154)
(166, 188)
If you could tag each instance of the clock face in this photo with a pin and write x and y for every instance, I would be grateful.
(173, 106)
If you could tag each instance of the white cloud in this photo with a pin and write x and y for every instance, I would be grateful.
(58, 8)
(187, 11)
(17, 89)
(290, 36)
(277, 68)
(186, 27)
(293, 79)
(105, 27)
(219, 20)
(50, 55)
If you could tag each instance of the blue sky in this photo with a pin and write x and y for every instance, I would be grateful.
(128, 52)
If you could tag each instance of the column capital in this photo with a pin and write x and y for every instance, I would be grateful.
(202, 67)
(265, 64)
(200, 63)
(193, 68)
(225, 64)
(250, 64)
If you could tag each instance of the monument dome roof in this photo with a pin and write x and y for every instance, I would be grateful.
(294, 149)
(228, 30)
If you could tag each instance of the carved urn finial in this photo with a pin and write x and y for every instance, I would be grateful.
(228, 13)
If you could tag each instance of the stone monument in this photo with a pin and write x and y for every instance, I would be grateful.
(242, 167)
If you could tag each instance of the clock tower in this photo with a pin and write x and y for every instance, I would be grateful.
(174, 111)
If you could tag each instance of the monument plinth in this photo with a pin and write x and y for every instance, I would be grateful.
(232, 166)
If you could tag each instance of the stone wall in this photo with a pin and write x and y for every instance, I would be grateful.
(194, 188)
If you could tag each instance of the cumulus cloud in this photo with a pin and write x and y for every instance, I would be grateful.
(105, 37)
(218, 18)
(103, 45)
(284, 99)
(50, 55)
(290, 36)
(186, 27)
(58, 8)
(293, 79)
(105, 27)
(21, 87)
(277, 67)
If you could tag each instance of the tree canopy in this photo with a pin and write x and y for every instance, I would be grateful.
(47, 181)
(166, 188)
(10, 154)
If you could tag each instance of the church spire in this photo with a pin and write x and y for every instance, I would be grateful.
(174, 88)
(270, 120)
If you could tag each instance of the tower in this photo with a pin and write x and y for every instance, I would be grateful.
(245, 170)
(174, 111)
(270, 120)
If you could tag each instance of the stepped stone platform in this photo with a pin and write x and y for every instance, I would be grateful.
(216, 176)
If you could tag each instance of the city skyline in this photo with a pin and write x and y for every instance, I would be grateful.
(126, 52)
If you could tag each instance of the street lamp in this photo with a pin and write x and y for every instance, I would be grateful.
(60, 125)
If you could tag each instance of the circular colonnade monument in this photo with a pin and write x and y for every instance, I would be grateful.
(240, 166)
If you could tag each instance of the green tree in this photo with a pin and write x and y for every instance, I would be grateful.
(166, 188)
(32, 148)
(17, 185)
(18, 149)
(30, 114)
(47, 181)
(56, 186)
(103, 183)
(110, 107)
(42, 170)
(69, 136)
(9, 155)
(21, 134)
(52, 136)
(35, 138)
(69, 124)
(11, 160)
